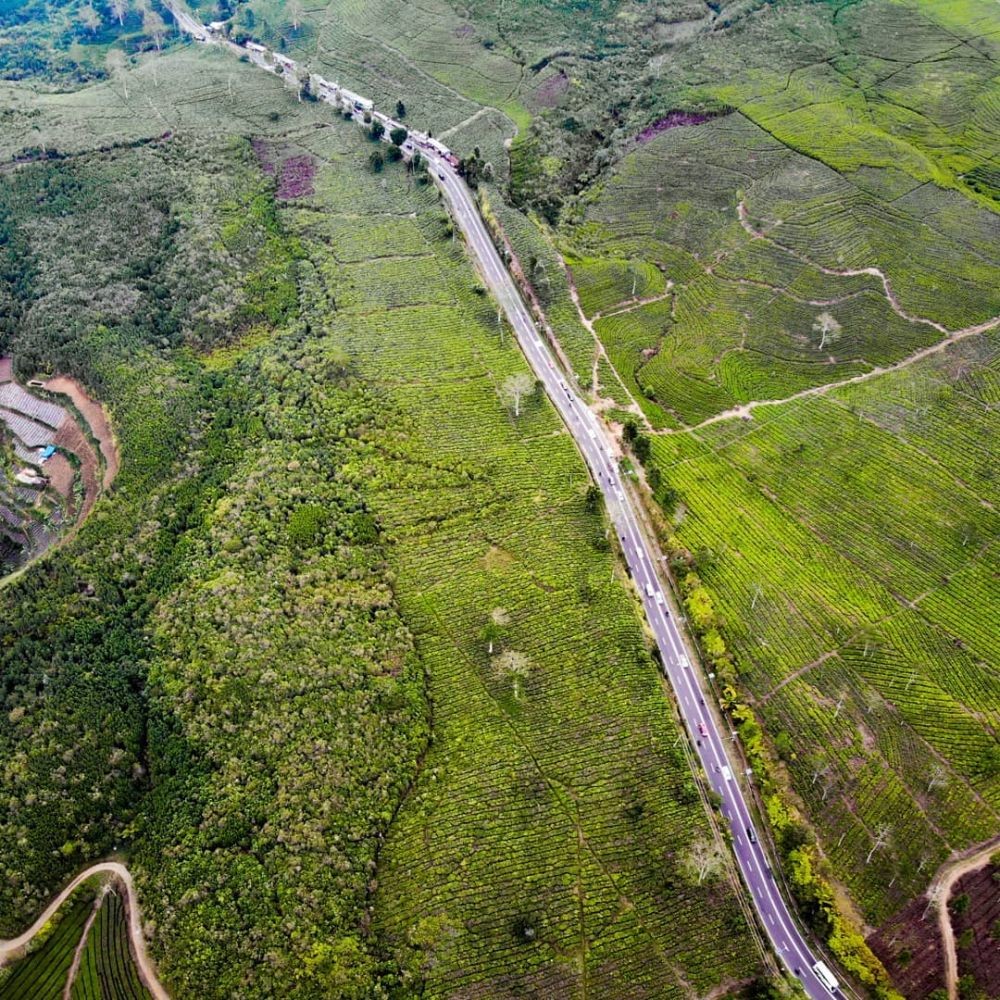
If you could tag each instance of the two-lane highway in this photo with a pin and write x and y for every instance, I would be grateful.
(640, 553)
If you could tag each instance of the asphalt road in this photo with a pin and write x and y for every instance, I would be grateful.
(641, 555)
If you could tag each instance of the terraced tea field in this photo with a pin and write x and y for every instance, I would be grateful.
(83, 950)
(851, 549)
(757, 309)
(106, 970)
(543, 846)
(848, 536)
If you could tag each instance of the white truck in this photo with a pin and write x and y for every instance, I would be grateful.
(826, 977)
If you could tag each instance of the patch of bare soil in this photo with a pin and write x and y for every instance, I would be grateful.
(909, 946)
(97, 420)
(978, 949)
(70, 437)
(60, 474)
(550, 91)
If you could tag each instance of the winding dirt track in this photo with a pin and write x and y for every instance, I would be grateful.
(9, 949)
(940, 891)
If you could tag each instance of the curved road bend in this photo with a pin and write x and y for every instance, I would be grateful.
(148, 975)
(593, 440)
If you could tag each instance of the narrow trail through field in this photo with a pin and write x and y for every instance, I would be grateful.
(600, 352)
(9, 949)
(633, 303)
(74, 968)
(850, 272)
(939, 891)
(744, 409)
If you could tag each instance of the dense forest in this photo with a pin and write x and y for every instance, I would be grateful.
(225, 485)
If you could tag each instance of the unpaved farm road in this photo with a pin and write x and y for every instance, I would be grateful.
(8, 949)
(940, 890)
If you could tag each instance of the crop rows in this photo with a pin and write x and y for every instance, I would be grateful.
(805, 521)
(42, 974)
(107, 971)
(13, 397)
(605, 284)
(942, 408)
(813, 452)
(522, 814)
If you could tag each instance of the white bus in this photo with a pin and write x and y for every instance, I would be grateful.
(825, 976)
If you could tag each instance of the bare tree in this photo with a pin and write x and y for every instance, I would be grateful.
(89, 18)
(294, 9)
(820, 770)
(882, 832)
(935, 896)
(840, 705)
(120, 8)
(115, 63)
(827, 327)
(515, 387)
(154, 26)
(515, 665)
(938, 778)
(704, 858)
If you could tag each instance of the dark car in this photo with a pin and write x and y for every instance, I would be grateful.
(751, 835)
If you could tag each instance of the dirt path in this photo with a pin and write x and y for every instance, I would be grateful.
(599, 351)
(744, 410)
(97, 420)
(80, 945)
(851, 272)
(137, 942)
(939, 892)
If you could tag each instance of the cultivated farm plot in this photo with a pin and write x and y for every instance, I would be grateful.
(764, 317)
(107, 971)
(854, 565)
(13, 397)
(553, 796)
(42, 974)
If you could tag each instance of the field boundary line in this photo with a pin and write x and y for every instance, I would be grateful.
(745, 409)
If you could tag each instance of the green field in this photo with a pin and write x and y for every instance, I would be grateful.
(344, 662)
(850, 546)
(106, 968)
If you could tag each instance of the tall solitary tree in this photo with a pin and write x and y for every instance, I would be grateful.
(154, 26)
(515, 388)
(882, 832)
(89, 18)
(115, 64)
(704, 858)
